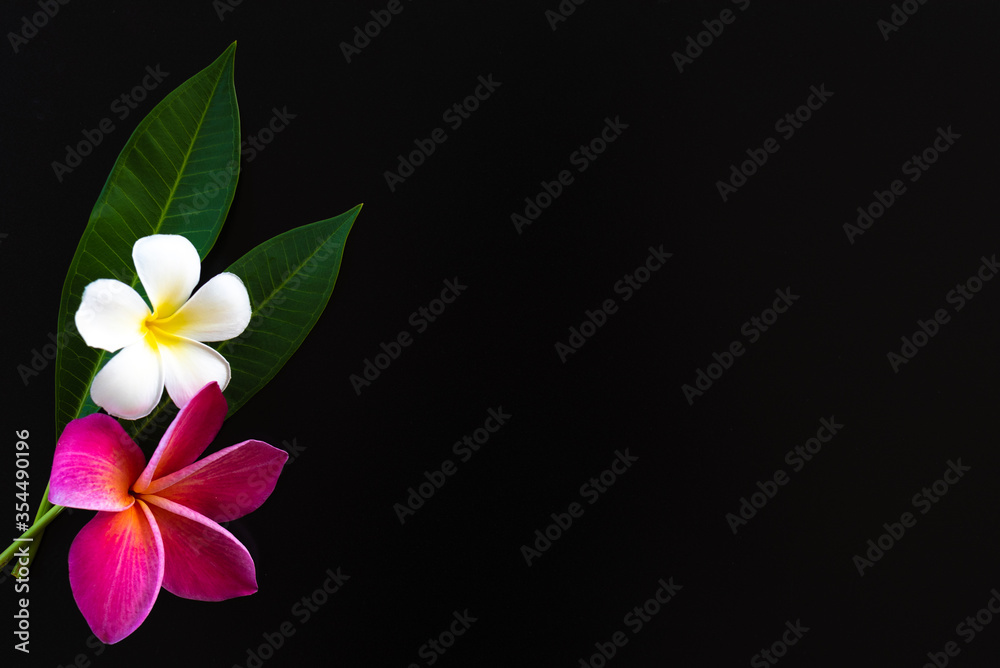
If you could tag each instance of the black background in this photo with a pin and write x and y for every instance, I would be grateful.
(495, 345)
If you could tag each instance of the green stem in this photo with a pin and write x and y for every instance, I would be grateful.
(29, 536)
(44, 506)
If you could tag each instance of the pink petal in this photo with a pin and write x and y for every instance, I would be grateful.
(227, 484)
(115, 571)
(94, 465)
(187, 436)
(204, 562)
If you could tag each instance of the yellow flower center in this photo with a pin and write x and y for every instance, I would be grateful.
(160, 327)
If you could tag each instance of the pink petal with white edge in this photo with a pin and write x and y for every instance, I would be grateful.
(115, 571)
(188, 366)
(186, 438)
(219, 311)
(169, 267)
(111, 315)
(131, 384)
(227, 484)
(94, 465)
(204, 562)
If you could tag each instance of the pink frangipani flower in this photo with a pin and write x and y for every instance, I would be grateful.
(157, 523)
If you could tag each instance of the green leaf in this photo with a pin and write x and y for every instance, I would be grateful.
(146, 431)
(176, 175)
(290, 279)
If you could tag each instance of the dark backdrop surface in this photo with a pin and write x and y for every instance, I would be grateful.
(827, 169)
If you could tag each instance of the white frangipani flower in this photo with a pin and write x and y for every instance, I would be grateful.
(162, 347)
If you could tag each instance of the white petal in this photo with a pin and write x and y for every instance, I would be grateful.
(189, 366)
(169, 267)
(219, 310)
(111, 315)
(131, 384)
